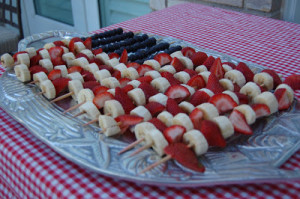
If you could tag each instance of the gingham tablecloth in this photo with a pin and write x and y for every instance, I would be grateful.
(30, 169)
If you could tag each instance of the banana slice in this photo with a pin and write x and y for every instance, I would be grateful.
(108, 125)
(158, 141)
(290, 91)
(85, 95)
(182, 76)
(120, 67)
(7, 60)
(22, 72)
(46, 63)
(187, 62)
(153, 73)
(66, 50)
(90, 110)
(168, 68)
(141, 129)
(44, 54)
(103, 57)
(142, 112)
(183, 120)
(227, 84)
(225, 126)
(101, 75)
(39, 77)
(134, 83)
(233, 96)
(137, 96)
(264, 79)
(92, 67)
(177, 54)
(47, 46)
(112, 62)
(191, 89)
(248, 112)
(187, 107)
(75, 75)
(153, 63)
(23, 59)
(161, 84)
(251, 90)
(66, 41)
(48, 89)
(197, 140)
(113, 108)
(207, 91)
(88, 53)
(130, 73)
(31, 51)
(236, 77)
(81, 61)
(79, 46)
(112, 91)
(160, 98)
(75, 86)
(201, 68)
(110, 82)
(63, 69)
(226, 67)
(68, 56)
(205, 75)
(166, 118)
(209, 111)
(268, 99)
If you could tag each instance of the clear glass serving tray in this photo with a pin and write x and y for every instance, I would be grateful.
(246, 159)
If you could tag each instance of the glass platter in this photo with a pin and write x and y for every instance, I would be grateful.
(246, 159)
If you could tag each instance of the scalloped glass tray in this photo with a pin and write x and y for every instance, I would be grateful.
(246, 159)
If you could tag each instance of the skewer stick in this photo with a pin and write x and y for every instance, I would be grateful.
(73, 107)
(130, 146)
(41, 93)
(90, 122)
(33, 82)
(147, 146)
(62, 97)
(80, 113)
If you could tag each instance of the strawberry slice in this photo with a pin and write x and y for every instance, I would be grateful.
(146, 79)
(214, 85)
(97, 61)
(188, 52)
(191, 72)
(74, 69)
(148, 89)
(133, 64)
(54, 74)
(99, 89)
(155, 108)
(60, 85)
(172, 107)
(196, 117)
(174, 133)
(113, 55)
(209, 62)
(18, 53)
(217, 69)
(199, 58)
(170, 77)
(282, 98)
(239, 123)
(223, 102)
(128, 121)
(177, 92)
(90, 84)
(97, 51)
(199, 97)
(143, 69)
(212, 133)
(293, 81)
(127, 88)
(185, 156)
(55, 52)
(72, 42)
(261, 110)
(123, 81)
(101, 98)
(87, 76)
(117, 74)
(197, 82)
(276, 79)
(176, 63)
(236, 87)
(243, 99)
(124, 100)
(58, 43)
(35, 60)
(124, 57)
(109, 68)
(36, 69)
(58, 61)
(247, 72)
(78, 55)
(232, 65)
(163, 58)
(158, 124)
(88, 43)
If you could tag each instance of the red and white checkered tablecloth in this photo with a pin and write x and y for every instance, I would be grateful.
(30, 169)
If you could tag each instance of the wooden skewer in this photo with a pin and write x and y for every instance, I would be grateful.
(96, 120)
(73, 107)
(41, 93)
(80, 113)
(34, 81)
(62, 97)
(147, 146)
(130, 146)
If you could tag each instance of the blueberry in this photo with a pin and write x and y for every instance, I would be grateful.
(119, 31)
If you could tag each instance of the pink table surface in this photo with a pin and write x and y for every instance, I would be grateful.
(30, 169)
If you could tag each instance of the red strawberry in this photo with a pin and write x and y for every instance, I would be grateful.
(101, 98)
(127, 88)
(55, 52)
(188, 51)
(99, 89)
(196, 82)
(217, 69)
(247, 72)
(191, 72)
(199, 58)
(209, 62)
(282, 98)
(236, 88)
(58, 43)
(124, 81)
(261, 110)
(212, 133)
(88, 43)
(243, 99)
(113, 55)
(177, 64)
(214, 85)
(199, 97)
(143, 69)
(163, 58)
(97, 61)
(148, 89)
(276, 79)
(109, 68)
(223, 102)
(97, 51)
(174, 133)
(18, 53)
(170, 77)
(72, 42)
(262, 88)
(232, 65)
(177, 92)
(88, 76)
(133, 64)
(116, 74)
(185, 156)
(293, 81)
(35, 60)
(36, 69)
(124, 100)
(60, 85)
(127, 121)
(124, 57)
(54, 74)
(74, 69)
(155, 108)
(158, 124)
(197, 117)
(78, 55)
(58, 61)
(172, 107)
(90, 84)
(239, 123)
(146, 79)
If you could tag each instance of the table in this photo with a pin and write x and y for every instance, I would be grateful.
(30, 169)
